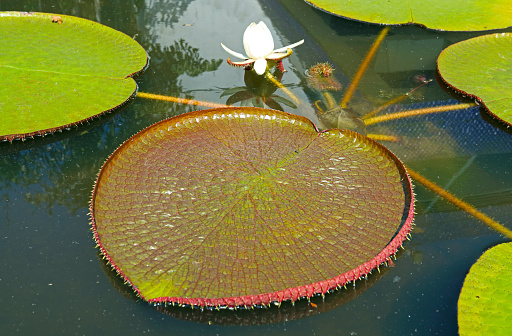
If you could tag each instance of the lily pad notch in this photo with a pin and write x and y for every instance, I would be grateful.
(244, 207)
(481, 69)
(59, 71)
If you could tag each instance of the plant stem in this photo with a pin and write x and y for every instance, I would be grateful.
(277, 83)
(329, 99)
(461, 204)
(362, 68)
(383, 137)
(393, 101)
(179, 100)
(410, 113)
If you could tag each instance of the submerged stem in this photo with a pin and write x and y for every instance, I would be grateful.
(362, 68)
(393, 101)
(277, 83)
(383, 137)
(461, 204)
(331, 103)
(179, 100)
(410, 113)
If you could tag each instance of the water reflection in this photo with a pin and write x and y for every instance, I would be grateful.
(162, 12)
(284, 313)
(258, 91)
(175, 60)
(287, 311)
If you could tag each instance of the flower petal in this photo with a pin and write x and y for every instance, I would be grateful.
(242, 63)
(234, 53)
(290, 46)
(277, 56)
(258, 41)
(260, 66)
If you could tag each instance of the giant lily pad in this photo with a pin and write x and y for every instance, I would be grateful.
(455, 15)
(247, 206)
(485, 303)
(58, 70)
(482, 67)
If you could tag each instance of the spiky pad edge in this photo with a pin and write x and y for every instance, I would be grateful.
(289, 294)
(48, 131)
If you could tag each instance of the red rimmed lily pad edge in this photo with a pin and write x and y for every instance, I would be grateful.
(290, 294)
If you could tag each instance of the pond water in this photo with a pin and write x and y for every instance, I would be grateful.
(55, 283)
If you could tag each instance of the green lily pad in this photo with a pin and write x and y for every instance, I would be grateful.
(455, 15)
(57, 71)
(485, 302)
(246, 206)
(481, 67)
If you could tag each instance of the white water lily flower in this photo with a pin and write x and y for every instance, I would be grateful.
(259, 47)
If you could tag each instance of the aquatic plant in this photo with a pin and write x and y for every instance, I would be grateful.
(461, 15)
(259, 47)
(60, 72)
(481, 68)
(485, 299)
(242, 207)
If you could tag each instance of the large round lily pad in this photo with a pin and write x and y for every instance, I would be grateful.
(247, 206)
(482, 67)
(453, 15)
(58, 70)
(485, 302)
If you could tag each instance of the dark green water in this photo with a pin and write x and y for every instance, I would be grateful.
(53, 281)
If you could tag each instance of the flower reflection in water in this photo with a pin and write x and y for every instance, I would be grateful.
(258, 91)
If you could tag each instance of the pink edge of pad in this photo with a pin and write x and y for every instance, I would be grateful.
(306, 291)
(107, 256)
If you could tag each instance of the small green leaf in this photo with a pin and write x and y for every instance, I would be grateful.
(454, 15)
(57, 72)
(482, 67)
(485, 302)
(245, 206)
